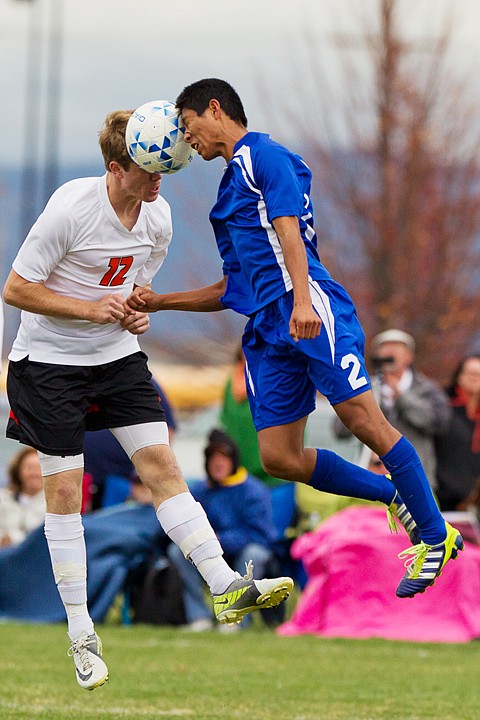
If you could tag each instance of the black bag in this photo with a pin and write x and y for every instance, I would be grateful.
(157, 597)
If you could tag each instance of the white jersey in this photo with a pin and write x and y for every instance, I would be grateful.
(79, 248)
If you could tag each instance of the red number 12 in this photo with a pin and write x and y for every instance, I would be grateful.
(118, 268)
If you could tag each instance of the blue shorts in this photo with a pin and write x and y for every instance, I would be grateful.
(283, 375)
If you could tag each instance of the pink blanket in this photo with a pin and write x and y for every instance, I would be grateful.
(353, 570)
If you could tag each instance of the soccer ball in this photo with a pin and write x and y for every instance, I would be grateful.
(154, 138)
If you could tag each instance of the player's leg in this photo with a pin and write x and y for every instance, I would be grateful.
(333, 364)
(283, 455)
(347, 387)
(362, 416)
(186, 524)
(66, 545)
(57, 395)
(326, 471)
(438, 540)
(281, 384)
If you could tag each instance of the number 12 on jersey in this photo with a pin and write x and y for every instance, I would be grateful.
(117, 269)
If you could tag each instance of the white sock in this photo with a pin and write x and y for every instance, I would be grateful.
(78, 620)
(66, 545)
(185, 522)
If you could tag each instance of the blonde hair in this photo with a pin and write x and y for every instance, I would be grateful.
(111, 139)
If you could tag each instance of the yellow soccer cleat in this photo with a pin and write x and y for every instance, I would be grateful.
(424, 563)
(245, 595)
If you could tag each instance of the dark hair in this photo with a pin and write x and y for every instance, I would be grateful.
(458, 371)
(197, 96)
(218, 441)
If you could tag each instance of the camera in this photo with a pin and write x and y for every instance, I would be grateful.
(379, 362)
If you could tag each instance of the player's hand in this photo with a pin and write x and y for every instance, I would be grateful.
(110, 309)
(136, 322)
(305, 324)
(144, 300)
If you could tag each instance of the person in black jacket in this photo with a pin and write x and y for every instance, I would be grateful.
(458, 448)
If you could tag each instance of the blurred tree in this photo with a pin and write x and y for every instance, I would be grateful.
(395, 158)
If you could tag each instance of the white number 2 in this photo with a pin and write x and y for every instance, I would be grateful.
(353, 379)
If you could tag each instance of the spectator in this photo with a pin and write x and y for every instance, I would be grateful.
(376, 465)
(22, 503)
(238, 507)
(458, 448)
(414, 404)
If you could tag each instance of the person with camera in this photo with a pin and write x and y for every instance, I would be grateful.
(413, 403)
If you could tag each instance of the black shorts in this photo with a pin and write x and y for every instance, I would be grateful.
(53, 405)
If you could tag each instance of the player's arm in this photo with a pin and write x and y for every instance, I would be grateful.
(36, 298)
(204, 299)
(304, 322)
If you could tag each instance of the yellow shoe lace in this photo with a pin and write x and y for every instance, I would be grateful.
(415, 557)
(392, 520)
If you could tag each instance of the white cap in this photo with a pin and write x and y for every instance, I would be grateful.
(393, 336)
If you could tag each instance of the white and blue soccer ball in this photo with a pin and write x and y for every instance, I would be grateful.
(154, 138)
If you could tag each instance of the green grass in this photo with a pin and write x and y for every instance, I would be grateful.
(166, 673)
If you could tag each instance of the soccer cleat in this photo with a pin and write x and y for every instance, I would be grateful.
(424, 563)
(86, 651)
(397, 510)
(245, 595)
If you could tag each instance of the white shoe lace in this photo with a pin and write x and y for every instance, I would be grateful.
(249, 570)
(79, 648)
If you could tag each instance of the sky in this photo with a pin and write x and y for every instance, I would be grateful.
(120, 54)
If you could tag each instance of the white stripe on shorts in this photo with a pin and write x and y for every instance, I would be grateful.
(321, 303)
(249, 378)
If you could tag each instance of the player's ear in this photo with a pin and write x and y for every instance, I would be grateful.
(215, 107)
(115, 168)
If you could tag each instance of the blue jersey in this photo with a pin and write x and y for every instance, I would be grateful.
(262, 181)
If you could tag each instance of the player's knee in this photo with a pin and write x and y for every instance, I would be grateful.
(64, 494)
(365, 429)
(280, 465)
(157, 465)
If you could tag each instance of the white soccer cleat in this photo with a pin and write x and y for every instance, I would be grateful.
(90, 669)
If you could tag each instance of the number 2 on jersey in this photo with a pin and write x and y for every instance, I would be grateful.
(353, 378)
(118, 268)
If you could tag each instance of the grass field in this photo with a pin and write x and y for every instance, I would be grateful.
(167, 673)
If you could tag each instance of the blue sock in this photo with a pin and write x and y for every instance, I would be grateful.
(335, 475)
(408, 476)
